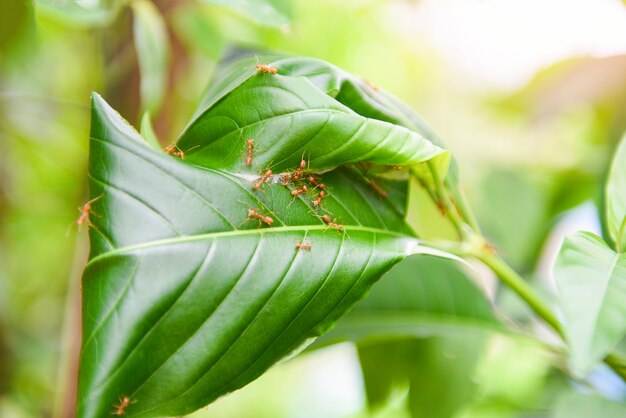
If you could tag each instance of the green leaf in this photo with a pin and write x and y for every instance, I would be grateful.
(442, 379)
(515, 210)
(438, 371)
(426, 322)
(147, 132)
(616, 197)
(591, 280)
(301, 118)
(259, 11)
(419, 297)
(185, 298)
(577, 405)
(153, 53)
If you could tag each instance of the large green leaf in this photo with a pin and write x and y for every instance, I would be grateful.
(442, 379)
(439, 371)
(426, 322)
(616, 197)
(184, 297)
(591, 280)
(419, 297)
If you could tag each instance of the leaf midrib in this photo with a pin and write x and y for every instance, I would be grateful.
(365, 120)
(244, 232)
(272, 344)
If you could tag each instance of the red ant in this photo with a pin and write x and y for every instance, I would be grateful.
(121, 407)
(85, 210)
(303, 246)
(365, 166)
(315, 182)
(262, 180)
(286, 179)
(441, 207)
(263, 219)
(265, 68)
(298, 173)
(382, 192)
(297, 192)
(175, 151)
(332, 223)
(249, 151)
(320, 196)
(395, 167)
(490, 248)
(370, 84)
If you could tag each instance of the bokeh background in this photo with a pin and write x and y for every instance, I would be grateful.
(530, 96)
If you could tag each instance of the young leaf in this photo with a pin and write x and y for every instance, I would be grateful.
(153, 53)
(186, 297)
(591, 280)
(147, 132)
(616, 198)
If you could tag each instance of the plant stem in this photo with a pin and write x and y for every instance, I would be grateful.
(512, 279)
(475, 245)
(443, 199)
(463, 207)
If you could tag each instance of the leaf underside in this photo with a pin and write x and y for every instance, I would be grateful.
(591, 279)
(427, 323)
(186, 297)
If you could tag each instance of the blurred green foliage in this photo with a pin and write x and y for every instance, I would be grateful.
(527, 158)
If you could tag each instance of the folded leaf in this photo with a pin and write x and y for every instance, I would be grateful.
(298, 121)
(187, 296)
